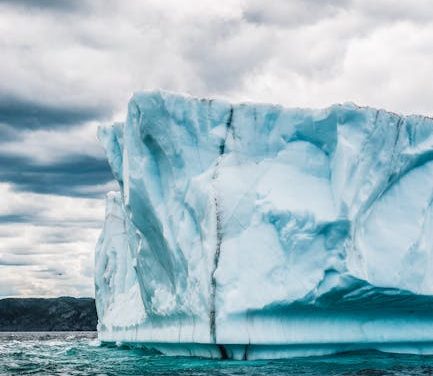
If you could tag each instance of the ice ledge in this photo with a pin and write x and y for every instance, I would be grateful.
(256, 352)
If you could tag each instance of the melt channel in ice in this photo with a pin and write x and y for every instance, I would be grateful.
(255, 231)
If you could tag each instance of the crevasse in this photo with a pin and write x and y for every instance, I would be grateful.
(255, 231)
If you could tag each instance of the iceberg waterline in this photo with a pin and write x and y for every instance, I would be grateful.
(254, 231)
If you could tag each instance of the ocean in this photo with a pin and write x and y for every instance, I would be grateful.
(80, 353)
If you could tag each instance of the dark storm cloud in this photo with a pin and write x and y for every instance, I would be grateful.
(11, 260)
(60, 237)
(34, 217)
(69, 178)
(22, 113)
(291, 14)
(16, 218)
(8, 133)
(57, 5)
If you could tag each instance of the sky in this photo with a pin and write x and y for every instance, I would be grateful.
(68, 66)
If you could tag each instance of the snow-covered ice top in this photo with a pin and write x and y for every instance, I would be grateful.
(249, 226)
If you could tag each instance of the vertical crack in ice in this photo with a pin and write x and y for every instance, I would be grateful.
(246, 349)
(223, 352)
(217, 253)
(223, 142)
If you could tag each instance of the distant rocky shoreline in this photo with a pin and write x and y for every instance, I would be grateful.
(54, 314)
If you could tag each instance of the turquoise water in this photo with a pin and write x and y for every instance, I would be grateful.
(81, 354)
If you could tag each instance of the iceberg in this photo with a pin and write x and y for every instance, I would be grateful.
(254, 231)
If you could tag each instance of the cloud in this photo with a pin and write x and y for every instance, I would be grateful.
(13, 260)
(45, 146)
(52, 243)
(56, 161)
(22, 113)
(76, 69)
(291, 14)
(51, 210)
(385, 11)
(298, 13)
(58, 5)
(8, 133)
(69, 178)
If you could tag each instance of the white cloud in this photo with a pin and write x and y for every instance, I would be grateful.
(100, 56)
(51, 145)
(52, 252)
(50, 208)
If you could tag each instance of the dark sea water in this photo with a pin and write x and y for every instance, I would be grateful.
(81, 354)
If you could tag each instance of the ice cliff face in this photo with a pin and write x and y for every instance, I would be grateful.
(255, 231)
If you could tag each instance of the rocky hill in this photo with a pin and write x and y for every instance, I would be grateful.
(56, 314)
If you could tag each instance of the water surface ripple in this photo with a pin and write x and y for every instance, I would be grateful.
(81, 354)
